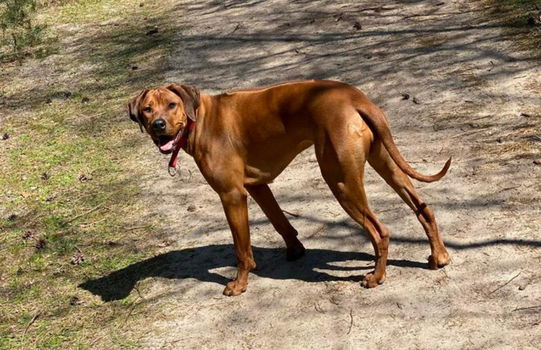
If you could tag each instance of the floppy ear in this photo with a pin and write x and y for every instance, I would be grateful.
(133, 108)
(190, 98)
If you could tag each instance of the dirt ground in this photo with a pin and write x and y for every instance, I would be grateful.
(472, 95)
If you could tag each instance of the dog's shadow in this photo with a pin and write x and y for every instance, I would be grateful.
(316, 266)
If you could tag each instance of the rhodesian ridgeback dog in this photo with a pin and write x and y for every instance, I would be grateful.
(242, 140)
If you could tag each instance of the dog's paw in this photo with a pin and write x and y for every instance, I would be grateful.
(438, 262)
(295, 252)
(370, 281)
(235, 288)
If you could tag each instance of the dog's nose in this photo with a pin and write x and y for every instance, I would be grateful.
(158, 125)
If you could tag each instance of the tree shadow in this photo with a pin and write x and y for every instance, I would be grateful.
(318, 265)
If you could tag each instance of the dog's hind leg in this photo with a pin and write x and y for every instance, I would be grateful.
(265, 199)
(341, 156)
(381, 161)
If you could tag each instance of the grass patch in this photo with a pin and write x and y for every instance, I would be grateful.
(69, 177)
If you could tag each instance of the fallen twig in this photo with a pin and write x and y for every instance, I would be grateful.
(350, 320)
(236, 28)
(527, 308)
(136, 287)
(85, 213)
(129, 313)
(87, 224)
(318, 309)
(135, 228)
(333, 300)
(290, 213)
(90, 116)
(377, 9)
(468, 133)
(95, 341)
(506, 283)
(32, 321)
(509, 188)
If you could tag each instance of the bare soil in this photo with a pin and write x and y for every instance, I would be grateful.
(473, 95)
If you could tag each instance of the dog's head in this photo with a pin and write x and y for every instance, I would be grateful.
(163, 112)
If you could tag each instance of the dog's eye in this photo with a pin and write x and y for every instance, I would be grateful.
(147, 109)
(172, 105)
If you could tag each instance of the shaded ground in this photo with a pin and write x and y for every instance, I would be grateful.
(476, 98)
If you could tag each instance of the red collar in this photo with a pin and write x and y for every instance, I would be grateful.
(182, 143)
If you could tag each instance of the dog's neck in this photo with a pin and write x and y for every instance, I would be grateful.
(198, 126)
(186, 143)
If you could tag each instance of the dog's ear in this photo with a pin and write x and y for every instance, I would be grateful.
(190, 98)
(133, 108)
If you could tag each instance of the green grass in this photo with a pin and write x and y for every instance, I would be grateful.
(68, 175)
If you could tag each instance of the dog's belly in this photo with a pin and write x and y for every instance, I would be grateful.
(266, 161)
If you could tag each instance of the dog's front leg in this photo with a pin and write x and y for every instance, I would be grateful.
(264, 197)
(236, 211)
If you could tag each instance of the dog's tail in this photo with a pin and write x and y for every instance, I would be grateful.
(376, 120)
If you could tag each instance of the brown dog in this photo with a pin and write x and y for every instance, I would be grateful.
(244, 139)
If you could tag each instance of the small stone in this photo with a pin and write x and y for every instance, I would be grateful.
(77, 258)
(74, 301)
(357, 26)
(164, 244)
(153, 31)
(12, 217)
(191, 208)
(85, 100)
(5, 136)
(405, 96)
(84, 178)
(416, 101)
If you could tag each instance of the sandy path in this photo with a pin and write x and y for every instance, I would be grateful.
(478, 100)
